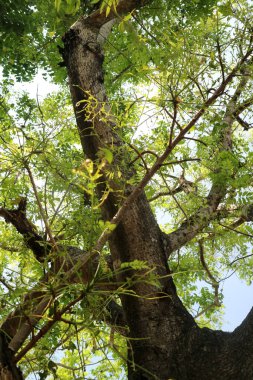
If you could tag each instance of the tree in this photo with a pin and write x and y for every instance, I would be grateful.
(85, 266)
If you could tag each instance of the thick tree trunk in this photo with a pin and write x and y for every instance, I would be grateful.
(155, 316)
(152, 311)
(164, 340)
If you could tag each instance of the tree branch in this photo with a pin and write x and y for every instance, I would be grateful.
(27, 229)
(42, 213)
(195, 223)
(100, 18)
(43, 330)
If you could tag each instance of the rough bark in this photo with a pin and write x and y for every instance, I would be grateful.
(137, 236)
(8, 367)
(164, 341)
(32, 239)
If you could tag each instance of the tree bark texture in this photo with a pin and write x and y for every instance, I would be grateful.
(138, 236)
(164, 340)
(8, 367)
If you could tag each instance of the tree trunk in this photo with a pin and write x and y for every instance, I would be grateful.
(8, 367)
(152, 311)
(164, 340)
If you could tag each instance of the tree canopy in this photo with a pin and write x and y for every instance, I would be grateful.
(126, 197)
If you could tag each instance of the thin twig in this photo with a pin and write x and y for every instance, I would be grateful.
(220, 60)
(10, 288)
(203, 311)
(173, 196)
(171, 116)
(42, 213)
(180, 161)
(234, 230)
(139, 155)
(199, 88)
(175, 108)
(165, 193)
(194, 139)
(121, 73)
(241, 258)
(47, 327)
(214, 282)
(246, 126)
(60, 203)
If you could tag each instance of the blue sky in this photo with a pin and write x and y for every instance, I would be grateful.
(238, 300)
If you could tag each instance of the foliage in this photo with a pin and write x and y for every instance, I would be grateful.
(162, 64)
(39, 26)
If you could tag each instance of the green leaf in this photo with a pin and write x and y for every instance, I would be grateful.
(135, 264)
(107, 154)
